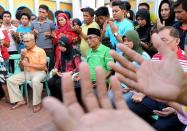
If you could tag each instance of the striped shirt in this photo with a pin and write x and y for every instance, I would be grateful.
(183, 61)
(181, 57)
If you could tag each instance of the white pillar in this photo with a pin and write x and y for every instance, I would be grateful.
(11, 8)
(76, 9)
(88, 3)
(157, 6)
(57, 5)
(100, 3)
(137, 3)
(36, 6)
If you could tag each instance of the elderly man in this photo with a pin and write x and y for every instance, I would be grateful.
(98, 54)
(33, 61)
(145, 106)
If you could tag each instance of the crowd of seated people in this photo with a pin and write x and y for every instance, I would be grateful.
(70, 41)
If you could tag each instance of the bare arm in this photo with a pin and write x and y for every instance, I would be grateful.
(84, 36)
(115, 30)
(78, 29)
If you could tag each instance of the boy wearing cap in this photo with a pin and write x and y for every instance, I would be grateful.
(88, 16)
(33, 61)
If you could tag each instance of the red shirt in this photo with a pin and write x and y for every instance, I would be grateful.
(4, 50)
(181, 57)
(71, 65)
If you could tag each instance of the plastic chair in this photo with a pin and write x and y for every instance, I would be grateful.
(45, 81)
(15, 58)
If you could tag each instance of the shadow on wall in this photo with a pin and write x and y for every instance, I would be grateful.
(24, 9)
(21, 10)
(1, 9)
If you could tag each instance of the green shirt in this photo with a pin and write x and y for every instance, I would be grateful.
(99, 57)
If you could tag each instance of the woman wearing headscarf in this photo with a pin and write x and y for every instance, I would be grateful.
(166, 12)
(64, 29)
(144, 30)
(68, 61)
(132, 40)
(166, 15)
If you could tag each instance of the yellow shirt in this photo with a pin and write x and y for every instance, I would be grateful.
(84, 45)
(185, 108)
(36, 56)
(153, 18)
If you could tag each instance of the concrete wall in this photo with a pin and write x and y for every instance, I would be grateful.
(13, 5)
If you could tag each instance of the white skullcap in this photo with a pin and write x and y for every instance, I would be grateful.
(28, 36)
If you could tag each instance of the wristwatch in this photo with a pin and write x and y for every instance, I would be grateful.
(116, 34)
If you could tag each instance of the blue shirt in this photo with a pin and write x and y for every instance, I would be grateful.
(22, 29)
(145, 56)
(123, 26)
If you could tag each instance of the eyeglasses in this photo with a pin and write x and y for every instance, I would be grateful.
(92, 37)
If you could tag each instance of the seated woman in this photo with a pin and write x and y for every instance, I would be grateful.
(132, 40)
(144, 31)
(68, 61)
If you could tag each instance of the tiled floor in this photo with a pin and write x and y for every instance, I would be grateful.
(23, 119)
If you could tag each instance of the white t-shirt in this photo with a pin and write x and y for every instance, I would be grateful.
(1, 35)
(13, 46)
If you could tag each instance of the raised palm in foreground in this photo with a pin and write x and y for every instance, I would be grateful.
(164, 80)
(99, 114)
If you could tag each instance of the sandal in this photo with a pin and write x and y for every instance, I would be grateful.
(18, 104)
(37, 108)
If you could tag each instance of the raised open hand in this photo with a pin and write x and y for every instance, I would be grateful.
(99, 114)
(164, 80)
